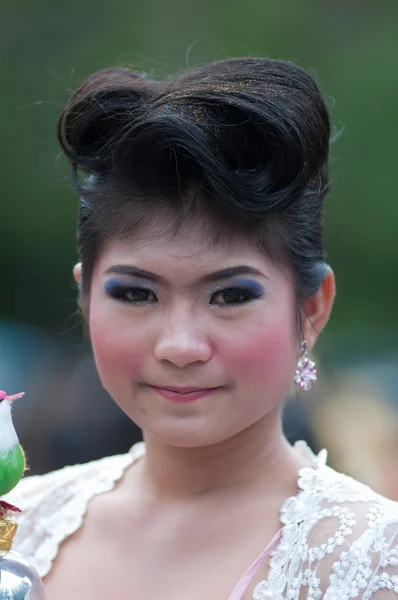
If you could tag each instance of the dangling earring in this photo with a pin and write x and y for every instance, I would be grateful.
(305, 372)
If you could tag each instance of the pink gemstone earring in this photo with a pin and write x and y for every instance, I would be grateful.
(305, 372)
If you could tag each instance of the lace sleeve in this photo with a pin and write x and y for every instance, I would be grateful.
(339, 542)
(384, 582)
(368, 568)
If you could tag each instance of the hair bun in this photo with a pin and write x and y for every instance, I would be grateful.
(104, 104)
(251, 133)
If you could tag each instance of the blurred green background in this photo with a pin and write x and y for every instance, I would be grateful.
(350, 46)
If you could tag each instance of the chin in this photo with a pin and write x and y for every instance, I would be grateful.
(183, 436)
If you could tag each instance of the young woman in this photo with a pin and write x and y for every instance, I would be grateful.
(203, 287)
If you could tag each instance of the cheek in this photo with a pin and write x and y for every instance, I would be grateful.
(117, 351)
(266, 356)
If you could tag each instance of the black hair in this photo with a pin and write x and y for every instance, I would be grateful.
(240, 146)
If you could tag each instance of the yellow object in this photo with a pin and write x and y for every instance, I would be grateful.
(8, 529)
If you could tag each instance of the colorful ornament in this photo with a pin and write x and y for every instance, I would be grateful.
(18, 580)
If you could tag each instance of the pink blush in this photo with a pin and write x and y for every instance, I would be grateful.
(117, 354)
(260, 359)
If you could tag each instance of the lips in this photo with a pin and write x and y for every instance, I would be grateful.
(180, 390)
(182, 394)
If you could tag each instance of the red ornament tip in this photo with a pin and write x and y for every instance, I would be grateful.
(6, 507)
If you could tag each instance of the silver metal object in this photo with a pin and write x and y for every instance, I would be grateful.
(18, 580)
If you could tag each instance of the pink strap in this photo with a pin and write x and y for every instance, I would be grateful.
(245, 580)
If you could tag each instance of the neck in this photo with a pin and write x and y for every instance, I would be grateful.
(8, 436)
(259, 457)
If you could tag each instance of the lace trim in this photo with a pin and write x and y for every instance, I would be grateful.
(54, 506)
(293, 512)
(42, 543)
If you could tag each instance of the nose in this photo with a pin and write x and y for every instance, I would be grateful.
(182, 342)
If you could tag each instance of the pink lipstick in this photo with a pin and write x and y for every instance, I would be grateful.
(183, 394)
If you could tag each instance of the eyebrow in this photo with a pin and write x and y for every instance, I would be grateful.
(215, 276)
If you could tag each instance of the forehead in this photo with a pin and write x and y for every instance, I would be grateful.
(184, 253)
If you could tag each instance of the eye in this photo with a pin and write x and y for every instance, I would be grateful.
(234, 296)
(128, 293)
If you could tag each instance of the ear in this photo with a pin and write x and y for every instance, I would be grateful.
(77, 273)
(317, 309)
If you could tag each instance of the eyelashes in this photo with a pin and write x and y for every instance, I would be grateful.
(128, 293)
(235, 294)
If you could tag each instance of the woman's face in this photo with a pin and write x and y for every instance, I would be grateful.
(182, 315)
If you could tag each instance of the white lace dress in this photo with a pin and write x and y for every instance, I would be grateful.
(339, 538)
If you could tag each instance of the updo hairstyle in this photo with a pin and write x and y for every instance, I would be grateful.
(237, 147)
